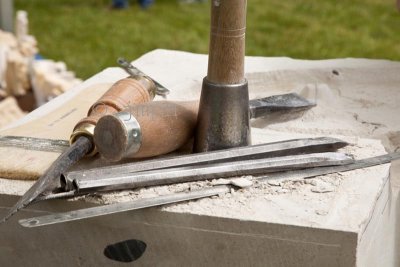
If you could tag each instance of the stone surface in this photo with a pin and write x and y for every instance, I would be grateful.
(278, 224)
(50, 79)
(9, 111)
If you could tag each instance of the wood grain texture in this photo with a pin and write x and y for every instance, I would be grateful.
(23, 164)
(122, 94)
(227, 41)
(165, 127)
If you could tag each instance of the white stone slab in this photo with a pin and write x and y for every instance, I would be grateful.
(291, 223)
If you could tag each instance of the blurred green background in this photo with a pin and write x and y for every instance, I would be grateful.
(89, 36)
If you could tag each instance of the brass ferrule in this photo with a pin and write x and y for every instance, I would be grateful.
(87, 130)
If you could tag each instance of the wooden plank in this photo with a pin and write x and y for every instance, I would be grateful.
(20, 163)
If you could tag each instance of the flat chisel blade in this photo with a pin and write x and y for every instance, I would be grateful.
(285, 103)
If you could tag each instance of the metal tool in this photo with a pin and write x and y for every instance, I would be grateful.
(31, 143)
(358, 164)
(275, 149)
(48, 181)
(202, 193)
(127, 91)
(209, 171)
(223, 119)
(285, 103)
(120, 207)
(169, 125)
(135, 72)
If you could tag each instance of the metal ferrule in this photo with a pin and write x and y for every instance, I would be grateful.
(223, 119)
(133, 132)
(84, 129)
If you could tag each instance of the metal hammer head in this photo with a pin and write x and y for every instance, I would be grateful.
(223, 119)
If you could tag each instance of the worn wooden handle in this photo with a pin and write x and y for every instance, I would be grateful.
(165, 126)
(121, 95)
(227, 42)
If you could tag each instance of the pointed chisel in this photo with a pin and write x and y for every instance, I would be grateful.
(275, 149)
(198, 194)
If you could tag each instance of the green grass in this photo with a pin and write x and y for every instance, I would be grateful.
(88, 36)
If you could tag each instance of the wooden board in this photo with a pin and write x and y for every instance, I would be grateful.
(24, 164)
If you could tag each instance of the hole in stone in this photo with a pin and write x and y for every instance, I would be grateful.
(335, 72)
(33, 222)
(125, 251)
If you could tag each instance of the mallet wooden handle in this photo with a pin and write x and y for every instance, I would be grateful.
(146, 130)
(121, 95)
(227, 42)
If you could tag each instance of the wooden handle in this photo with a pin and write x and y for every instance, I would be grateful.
(165, 126)
(121, 95)
(227, 42)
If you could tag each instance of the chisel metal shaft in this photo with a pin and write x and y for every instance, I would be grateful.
(275, 149)
(209, 171)
(47, 181)
(202, 193)
(312, 172)
(126, 206)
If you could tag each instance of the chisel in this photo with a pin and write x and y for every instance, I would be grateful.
(160, 127)
(209, 171)
(32, 143)
(196, 194)
(267, 150)
(120, 207)
(125, 92)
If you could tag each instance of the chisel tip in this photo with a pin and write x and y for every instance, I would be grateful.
(47, 182)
